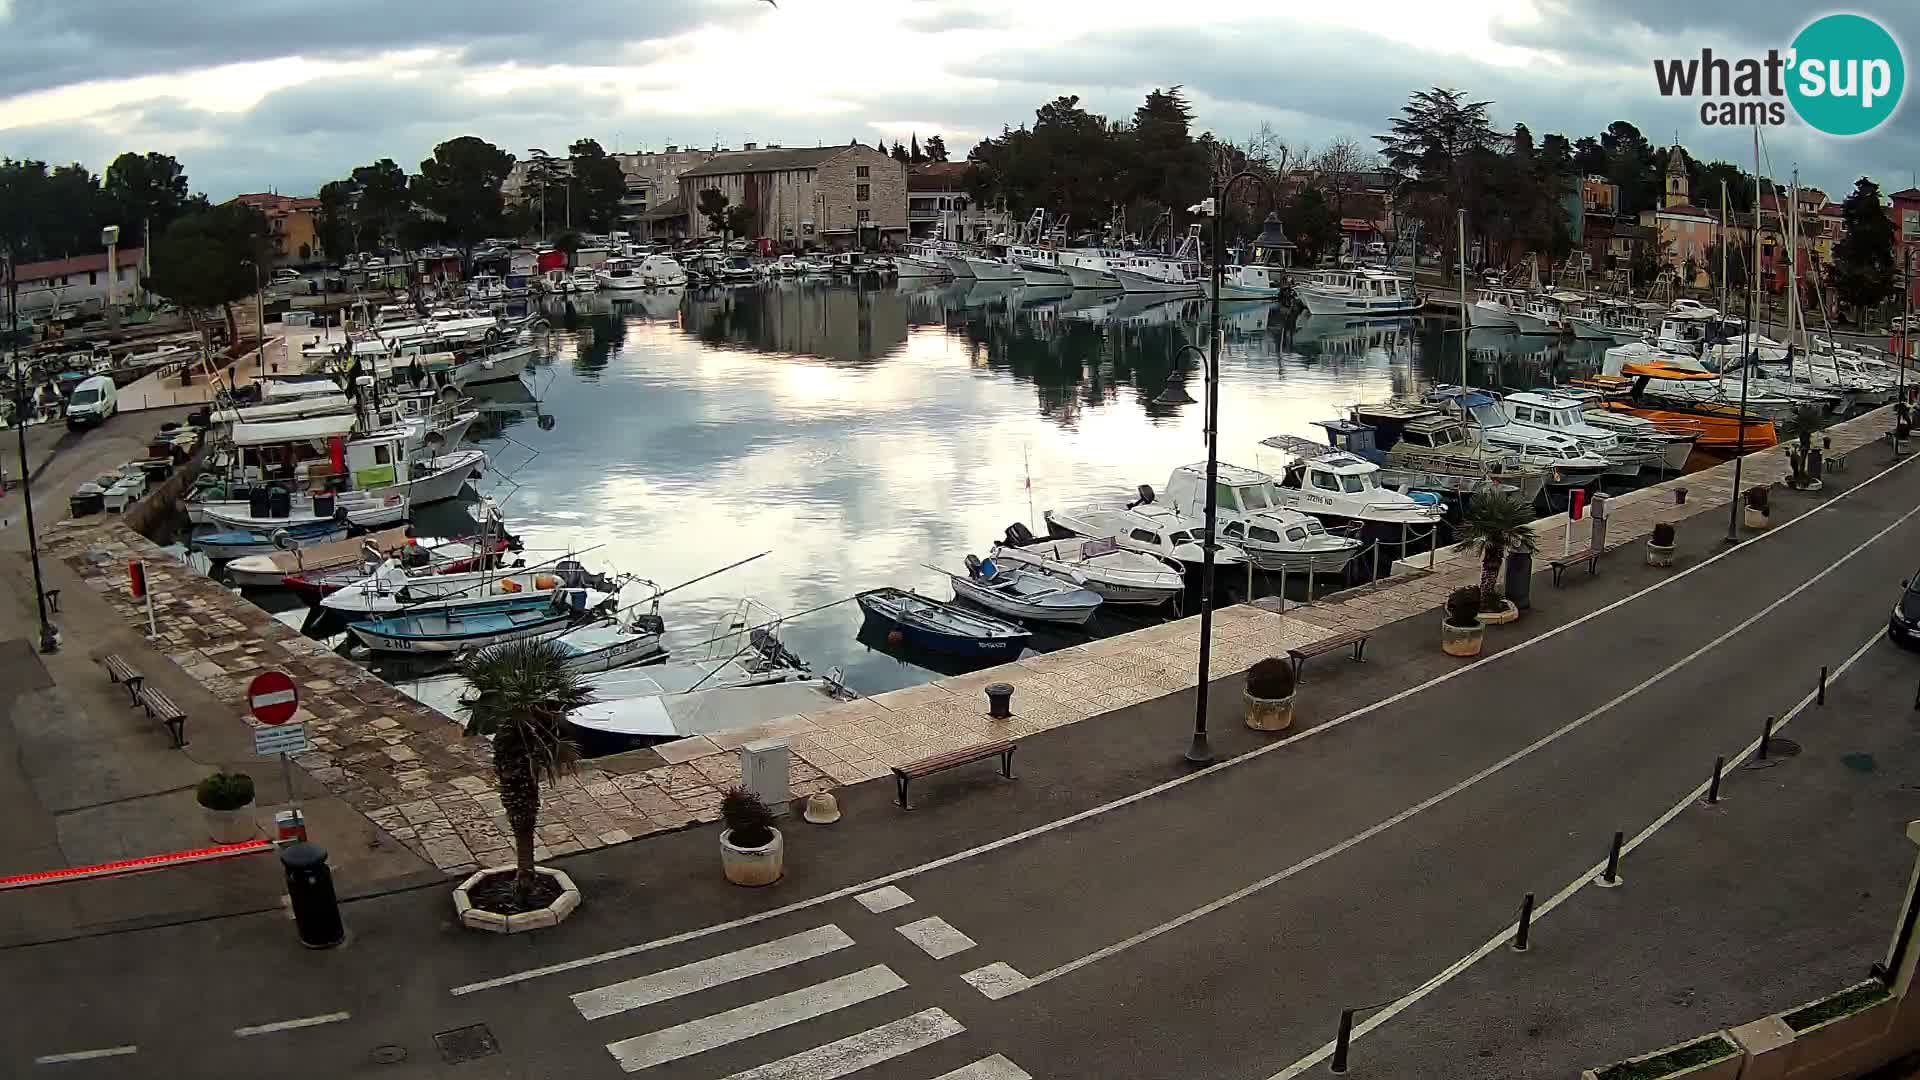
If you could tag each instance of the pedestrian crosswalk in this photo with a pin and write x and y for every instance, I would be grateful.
(813, 954)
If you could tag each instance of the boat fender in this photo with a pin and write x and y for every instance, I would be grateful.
(1018, 535)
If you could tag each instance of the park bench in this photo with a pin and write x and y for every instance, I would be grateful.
(1355, 638)
(927, 766)
(121, 672)
(1584, 555)
(161, 707)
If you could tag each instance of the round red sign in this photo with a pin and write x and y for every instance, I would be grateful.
(272, 697)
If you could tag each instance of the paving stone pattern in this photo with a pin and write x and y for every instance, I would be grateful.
(411, 771)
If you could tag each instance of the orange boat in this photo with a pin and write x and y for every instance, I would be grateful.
(1720, 426)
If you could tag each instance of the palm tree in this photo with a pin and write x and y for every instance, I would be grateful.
(1497, 523)
(522, 693)
(1803, 425)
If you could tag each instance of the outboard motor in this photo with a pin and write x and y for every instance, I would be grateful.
(1018, 535)
(571, 573)
(973, 566)
(1146, 497)
(650, 622)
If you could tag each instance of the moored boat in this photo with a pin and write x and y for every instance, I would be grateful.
(1024, 593)
(939, 627)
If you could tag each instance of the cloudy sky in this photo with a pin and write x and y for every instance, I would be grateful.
(284, 95)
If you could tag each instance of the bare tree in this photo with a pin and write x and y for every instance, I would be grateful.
(1338, 168)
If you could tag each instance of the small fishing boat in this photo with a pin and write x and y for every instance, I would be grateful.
(221, 544)
(1148, 527)
(607, 644)
(315, 579)
(452, 630)
(1118, 575)
(270, 571)
(938, 627)
(1027, 594)
(1246, 283)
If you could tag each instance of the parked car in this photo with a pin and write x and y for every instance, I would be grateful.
(1903, 626)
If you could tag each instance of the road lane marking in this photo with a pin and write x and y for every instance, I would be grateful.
(996, 980)
(1434, 800)
(855, 1052)
(289, 1025)
(936, 937)
(758, 1018)
(995, 1067)
(1580, 881)
(1158, 789)
(85, 1055)
(886, 899)
(714, 971)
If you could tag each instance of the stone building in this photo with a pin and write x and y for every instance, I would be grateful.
(653, 179)
(940, 207)
(293, 224)
(808, 197)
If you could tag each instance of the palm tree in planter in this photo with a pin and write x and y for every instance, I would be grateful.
(1461, 632)
(522, 694)
(1268, 701)
(1496, 523)
(1802, 426)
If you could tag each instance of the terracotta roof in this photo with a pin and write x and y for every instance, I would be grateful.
(265, 201)
(755, 161)
(1910, 193)
(1684, 210)
(672, 208)
(79, 264)
(1832, 209)
(938, 176)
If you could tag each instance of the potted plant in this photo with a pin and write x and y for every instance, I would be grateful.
(1269, 695)
(226, 797)
(752, 851)
(1660, 545)
(1496, 524)
(1461, 633)
(1803, 425)
(521, 694)
(1755, 515)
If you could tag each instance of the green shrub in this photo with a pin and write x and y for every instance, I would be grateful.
(225, 791)
(747, 818)
(1849, 1001)
(1463, 606)
(1685, 1057)
(1271, 678)
(1663, 534)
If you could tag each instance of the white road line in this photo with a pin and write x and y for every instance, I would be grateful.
(714, 971)
(996, 980)
(289, 1025)
(85, 1055)
(856, 1052)
(1160, 788)
(1434, 800)
(886, 899)
(1580, 881)
(988, 1068)
(720, 1029)
(936, 937)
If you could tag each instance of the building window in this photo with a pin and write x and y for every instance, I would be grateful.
(862, 215)
(862, 171)
(809, 228)
(862, 192)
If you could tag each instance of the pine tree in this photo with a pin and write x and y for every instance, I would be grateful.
(914, 156)
(899, 152)
(936, 149)
(1863, 261)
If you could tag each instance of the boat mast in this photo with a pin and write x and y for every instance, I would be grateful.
(1746, 369)
(1465, 321)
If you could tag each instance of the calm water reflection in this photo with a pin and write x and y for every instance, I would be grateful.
(860, 435)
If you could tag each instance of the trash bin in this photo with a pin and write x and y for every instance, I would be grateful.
(259, 503)
(1519, 583)
(280, 502)
(316, 912)
(323, 504)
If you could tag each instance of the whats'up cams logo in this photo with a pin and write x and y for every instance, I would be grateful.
(1844, 75)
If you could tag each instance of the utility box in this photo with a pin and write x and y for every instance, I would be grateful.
(1600, 513)
(764, 770)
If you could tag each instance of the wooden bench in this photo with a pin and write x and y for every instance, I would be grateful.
(161, 707)
(121, 672)
(927, 766)
(1584, 555)
(1355, 638)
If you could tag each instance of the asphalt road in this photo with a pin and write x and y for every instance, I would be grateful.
(1210, 926)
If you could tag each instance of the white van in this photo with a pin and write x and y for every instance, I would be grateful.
(92, 402)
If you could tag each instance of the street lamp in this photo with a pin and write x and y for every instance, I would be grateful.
(49, 636)
(110, 239)
(1201, 752)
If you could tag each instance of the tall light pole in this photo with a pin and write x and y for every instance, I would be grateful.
(49, 637)
(110, 236)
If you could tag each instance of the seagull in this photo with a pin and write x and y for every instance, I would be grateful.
(773, 5)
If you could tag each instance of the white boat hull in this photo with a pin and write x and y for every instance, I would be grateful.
(907, 266)
(1589, 330)
(1045, 278)
(1295, 561)
(1084, 277)
(1134, 282)
(507, 365)
(621, 284)
(993, 270)
(1230, 291)
(1319, 303)
(959, 266)
(235, 515)
(1482, 313)
(454, 470)
(1076, 615)
(1534, 324)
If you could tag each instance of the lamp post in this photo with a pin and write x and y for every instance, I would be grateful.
(110, 237)
(1201, 752)
(49, 636)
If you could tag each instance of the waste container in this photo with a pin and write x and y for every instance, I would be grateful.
(323, 504)
(280, 502)
(1519, 583)
(259, 503)
(316, 912)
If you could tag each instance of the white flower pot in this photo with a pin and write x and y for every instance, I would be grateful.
(753, 866)
(1507, 613)
(1659, 555)
(495, 922)
(1461, 640)
(1754, 519)
(230, 826)
(1268, 714)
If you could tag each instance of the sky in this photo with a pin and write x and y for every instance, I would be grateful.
(284, 96)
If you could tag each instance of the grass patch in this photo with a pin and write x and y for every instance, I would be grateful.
(1851, 1001)
(1685, 1057)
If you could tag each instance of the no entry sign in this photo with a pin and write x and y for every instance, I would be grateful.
(272, 697)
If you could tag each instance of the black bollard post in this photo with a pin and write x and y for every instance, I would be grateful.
(999, 701)
(316, 912)
(1713, 790)
(1341, 1041)
(1766, 736)
(1526, 923)
(1612, 875)
(1822, 699)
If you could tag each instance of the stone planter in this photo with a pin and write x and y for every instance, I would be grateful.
(1268, 714)
(753, 866)
(1507, 613)
(230, 826)
(1838, 1036)
(1659, 554)
(1722, 1067)
(553, 914)
(1461, 640)
(1753, 519)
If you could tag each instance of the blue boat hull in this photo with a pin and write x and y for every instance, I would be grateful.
(965, 645)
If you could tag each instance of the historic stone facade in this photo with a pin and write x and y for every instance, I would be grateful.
(810, 197)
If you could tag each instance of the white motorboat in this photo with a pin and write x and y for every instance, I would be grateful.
(619, 275)
(363, 509)
(1560, 456)
(1358, 293)
(1495, 307)
(990, 269)
(1119, 575)
(1246, 283)
(582, 280)
(1139, 273)
(1339, 487)
(1545, 313)
(610, 644)
(1090, 269)
(1420, 448)
(1674, 445)
(393, 587)
(1024, 594)
(919, 266)
(1147, 527)
(285, 409)
(1274, 536)
(1039, 266)
(1561, 414)
(497, 366)
(1590, 321)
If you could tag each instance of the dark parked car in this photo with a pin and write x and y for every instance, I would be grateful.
(1903, 626)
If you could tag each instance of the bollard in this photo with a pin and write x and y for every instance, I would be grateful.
(999, 700)
(1342, 1041)
(1822, 698)
(1713, 789)
(1526, 923)
(1611, 876)
(1680, 495)
(316, 913)
(1766, 736)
